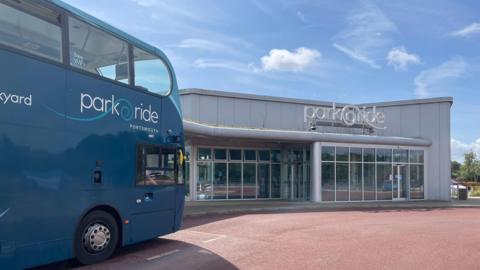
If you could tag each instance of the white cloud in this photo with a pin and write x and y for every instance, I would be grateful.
(399, 58)
(430, 79)
(284, 60)
(357, 55)
(223, 64)
(200, 44)
(366, 35)
(207, 45)
(459, 148)
(145, 3)
(301, 16)
(468, 30)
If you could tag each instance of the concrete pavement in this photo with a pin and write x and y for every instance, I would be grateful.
(198, 208)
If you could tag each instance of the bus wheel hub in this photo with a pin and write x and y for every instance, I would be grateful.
(96, 238)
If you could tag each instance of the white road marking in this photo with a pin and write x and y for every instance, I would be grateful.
(215, 239)
(163, 255)
(214, 234)
(4, 212)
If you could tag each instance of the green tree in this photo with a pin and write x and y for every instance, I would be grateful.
(456, 167)
(471, 167)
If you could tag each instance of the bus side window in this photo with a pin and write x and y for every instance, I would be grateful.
(155, 166)
(151, 73)
(97, 52)
(28, 33)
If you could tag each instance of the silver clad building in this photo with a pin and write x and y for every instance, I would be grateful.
(257, 147)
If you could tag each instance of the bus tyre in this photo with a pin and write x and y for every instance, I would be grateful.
(96, 238)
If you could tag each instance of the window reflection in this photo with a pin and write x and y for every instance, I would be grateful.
(356, 154)
(28, 33)
(356, 182)
(156, 166)
(416, 182)
(341, 182)
(97, 52)
(235, 180)
(249, 177)
(384, 155)
(328, 153)
(250, 155)
(384, 181)
(238, 174)
(264, 155)
(342, 154)
(276, 156)
(369, 181)
(328, 181)
(220, 154)
(219, 180)
(368, 155)
(235, 154)
(204, 181)
(276, 180)
(400, 155)
(263, 177)
(204, 154)
(367, 173)
(151, 73)
(416, 156)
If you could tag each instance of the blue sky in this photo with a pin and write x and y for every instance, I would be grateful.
(344, 51)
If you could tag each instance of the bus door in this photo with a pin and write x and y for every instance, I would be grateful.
(155, 192)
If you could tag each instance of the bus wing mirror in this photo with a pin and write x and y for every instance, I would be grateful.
(181, 157)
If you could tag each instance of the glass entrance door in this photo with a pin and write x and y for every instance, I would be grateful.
(400, 182)
(297, 175)
(297, 181)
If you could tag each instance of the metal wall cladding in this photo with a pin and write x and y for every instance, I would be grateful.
(402, 120)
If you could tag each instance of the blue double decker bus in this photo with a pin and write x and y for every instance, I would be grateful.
(91, 137)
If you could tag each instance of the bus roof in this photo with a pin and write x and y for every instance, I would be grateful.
(108, 28)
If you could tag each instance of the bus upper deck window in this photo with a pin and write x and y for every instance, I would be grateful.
(151, 73)
(97, 52)
(22, 31)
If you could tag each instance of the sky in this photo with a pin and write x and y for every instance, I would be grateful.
(356, 51)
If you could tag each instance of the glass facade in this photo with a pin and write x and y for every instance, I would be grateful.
(356, 181)
(224, 173)
(328, 181)
(263, 180)
(347, 173)
(219, 180)
(235, 180)
(204, 181)
(249, 185)
(356, 174)
(341, 183)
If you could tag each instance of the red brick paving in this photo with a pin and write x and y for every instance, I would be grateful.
(379, 239)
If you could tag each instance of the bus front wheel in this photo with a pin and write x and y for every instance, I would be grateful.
(96, 238)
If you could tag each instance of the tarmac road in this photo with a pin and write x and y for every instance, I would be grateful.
(443, 238)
